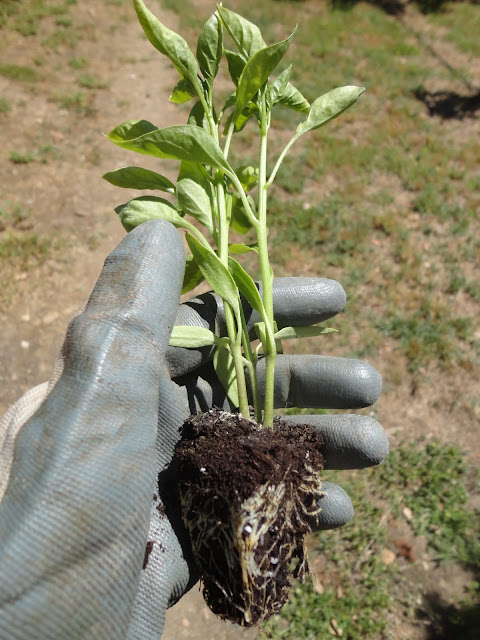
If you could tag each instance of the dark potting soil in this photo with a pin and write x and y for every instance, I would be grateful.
(247, 496)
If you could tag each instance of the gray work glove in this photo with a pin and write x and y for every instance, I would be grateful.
(91, 542)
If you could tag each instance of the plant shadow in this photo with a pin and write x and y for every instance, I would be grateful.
(448, 104)
(450, 621)
(395, 7)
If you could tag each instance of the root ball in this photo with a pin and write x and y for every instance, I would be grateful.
(247, 496)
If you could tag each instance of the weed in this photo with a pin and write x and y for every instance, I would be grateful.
(90, 82)
(17, 72)
(431, 334)
(24, 248)
(18, 157)
(64, 21)
(5, 105)
(76, 102)
(78, 63)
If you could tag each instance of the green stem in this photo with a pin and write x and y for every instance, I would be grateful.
(266, 272)
(233, 321)
(226, 148)
(251, 361)
(280, 160)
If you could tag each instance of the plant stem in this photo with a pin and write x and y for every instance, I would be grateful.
(280, 160)
(252, 369)
(266, 271)
(234, 332)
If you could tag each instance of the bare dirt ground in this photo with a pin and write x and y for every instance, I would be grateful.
(60, 195)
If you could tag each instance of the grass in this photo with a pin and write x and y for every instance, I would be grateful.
(18, 72)
(355, 589)
(90, 82)
(75, 101)
(5, 105)
(19, 157)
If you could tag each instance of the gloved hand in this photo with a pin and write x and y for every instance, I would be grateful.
(91, 539)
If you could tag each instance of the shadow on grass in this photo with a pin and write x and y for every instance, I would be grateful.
(448, 104)
(396, 7)
(452, 622)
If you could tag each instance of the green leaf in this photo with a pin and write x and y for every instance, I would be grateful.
(225, 370)
(236, 64)
(182, 92)
(293, 99)
(197, 116)
(277, 87)
(209, 48)
(246, 35)
(249, 111)
(146, 208)
(246, 285)
(214, 272)
(287, 333)
(194, 201)
(240, 222)
(328, 107)
(261, 331)
(169, 43)
(193, 276)
(193, 337)
(248, 176)
(257, 70)
(181, 142)
(138, 178)
(243, 248)
(130, 130)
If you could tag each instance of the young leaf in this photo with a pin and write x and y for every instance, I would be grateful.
(236, 64)
(243, 248)
(214, 272)
(146, 208)
(293, 99)
(182, 92)
(246, 35)
(248, 176)
(130, 130)
(197, 116)
(192, 337)
(277, 87)
(240, 221)
(193, 276)
(138, 178)
(287, 333)
(247, 286)
(260, 330)
(257, 70)
(169, 43)
(194, 200)
(250, 110)
(225, 370)
(328, 107)
(209, 48)
(181, 142)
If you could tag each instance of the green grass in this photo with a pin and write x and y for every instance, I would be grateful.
(357, 589)
(90, 82)
(24, 249)
(19, 157)
(18, 72)
(75, 101)
(78, 63)
(5, 105)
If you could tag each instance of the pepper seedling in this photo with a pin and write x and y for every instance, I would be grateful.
(219, 197)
